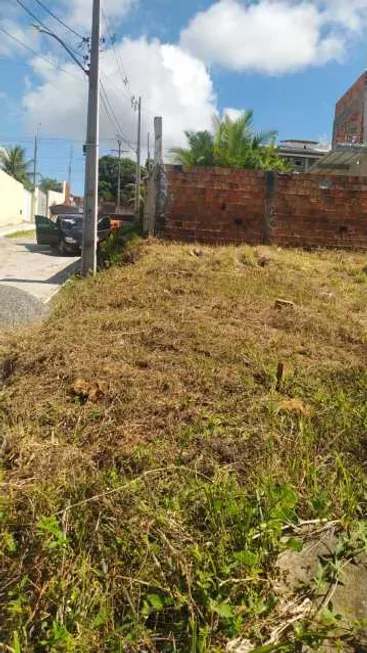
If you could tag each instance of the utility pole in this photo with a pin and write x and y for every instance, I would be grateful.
(70, 165)
(148, 155)
(119, 179)
(89, 247)
(35, 157)
(119, 152)
(138, 169)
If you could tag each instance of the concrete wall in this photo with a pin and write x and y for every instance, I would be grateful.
(218, 205)
(11, 200)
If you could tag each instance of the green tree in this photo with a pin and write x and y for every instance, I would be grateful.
(236, 145)
(108, 176)
(233, 143)
(47, 183)
(13, 161)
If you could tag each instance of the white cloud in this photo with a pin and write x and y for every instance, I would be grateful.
(79, 12)
(233, 114)
(173, 83)
(274, 36)
(22, 34)
(350, 15)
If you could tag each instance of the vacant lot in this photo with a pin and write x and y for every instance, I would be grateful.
(165, 432)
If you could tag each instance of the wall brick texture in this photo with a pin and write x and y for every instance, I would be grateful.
(349, 119)
(218, 205)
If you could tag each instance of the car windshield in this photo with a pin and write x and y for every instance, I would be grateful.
(70, 221)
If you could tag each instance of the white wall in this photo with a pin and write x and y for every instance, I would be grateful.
(27, 212)
(53, 197)
(41, 206)
(11, 200)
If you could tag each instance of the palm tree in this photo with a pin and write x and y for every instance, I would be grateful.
(232, 144)
(48, 183)
(13, 162)
(200, 151)
(235, 143)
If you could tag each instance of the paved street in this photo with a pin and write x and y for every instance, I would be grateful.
(37, 269)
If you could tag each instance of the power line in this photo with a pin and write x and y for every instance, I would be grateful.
(31, 14)
(71, 29)
(120, 66)
(117, 123)
(2, 29)
(39, 21)
(113, 122)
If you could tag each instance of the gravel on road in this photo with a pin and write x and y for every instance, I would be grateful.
(18, 307)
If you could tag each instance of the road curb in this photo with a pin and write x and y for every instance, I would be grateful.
(74, 269)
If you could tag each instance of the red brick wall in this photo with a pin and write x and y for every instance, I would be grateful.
(216, 205)
(320, 211)
(349, 114)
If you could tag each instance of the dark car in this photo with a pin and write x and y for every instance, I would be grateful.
(66, 232)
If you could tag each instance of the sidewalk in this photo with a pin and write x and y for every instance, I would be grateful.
(9, 229)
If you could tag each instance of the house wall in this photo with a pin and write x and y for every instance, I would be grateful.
(41, 203)
(27, 212)
(218, 205)
(12, 200)
(53, 197)
(350, 123)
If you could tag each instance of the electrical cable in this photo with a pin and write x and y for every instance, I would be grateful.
(71, 29)
(43, 25)
(117, 124)
(2, 29)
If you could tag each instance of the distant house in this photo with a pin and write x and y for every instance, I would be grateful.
(301, 154)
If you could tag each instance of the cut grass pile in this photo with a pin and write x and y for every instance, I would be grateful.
(162, 429)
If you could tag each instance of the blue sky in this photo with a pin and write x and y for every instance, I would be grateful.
(288, 60)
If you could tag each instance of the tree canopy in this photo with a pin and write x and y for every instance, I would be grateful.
(108, 177)
(13, 161)
(48, 183)
(232, 143)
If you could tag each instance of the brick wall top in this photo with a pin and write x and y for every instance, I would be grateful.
(356, 89)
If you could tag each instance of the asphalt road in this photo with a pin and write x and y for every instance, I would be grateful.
(36, 269)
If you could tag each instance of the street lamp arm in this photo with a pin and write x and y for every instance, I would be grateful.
(57, 38)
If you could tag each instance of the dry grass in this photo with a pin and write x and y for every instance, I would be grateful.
(163, 373)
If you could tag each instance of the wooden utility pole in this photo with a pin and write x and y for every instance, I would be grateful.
(138, 166)
(89, 246)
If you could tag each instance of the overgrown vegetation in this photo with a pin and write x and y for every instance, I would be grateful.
(163, 435)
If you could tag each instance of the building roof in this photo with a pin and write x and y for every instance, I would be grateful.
(340, 158)
(299, 140)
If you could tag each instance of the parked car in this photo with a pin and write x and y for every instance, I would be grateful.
(66, 232)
